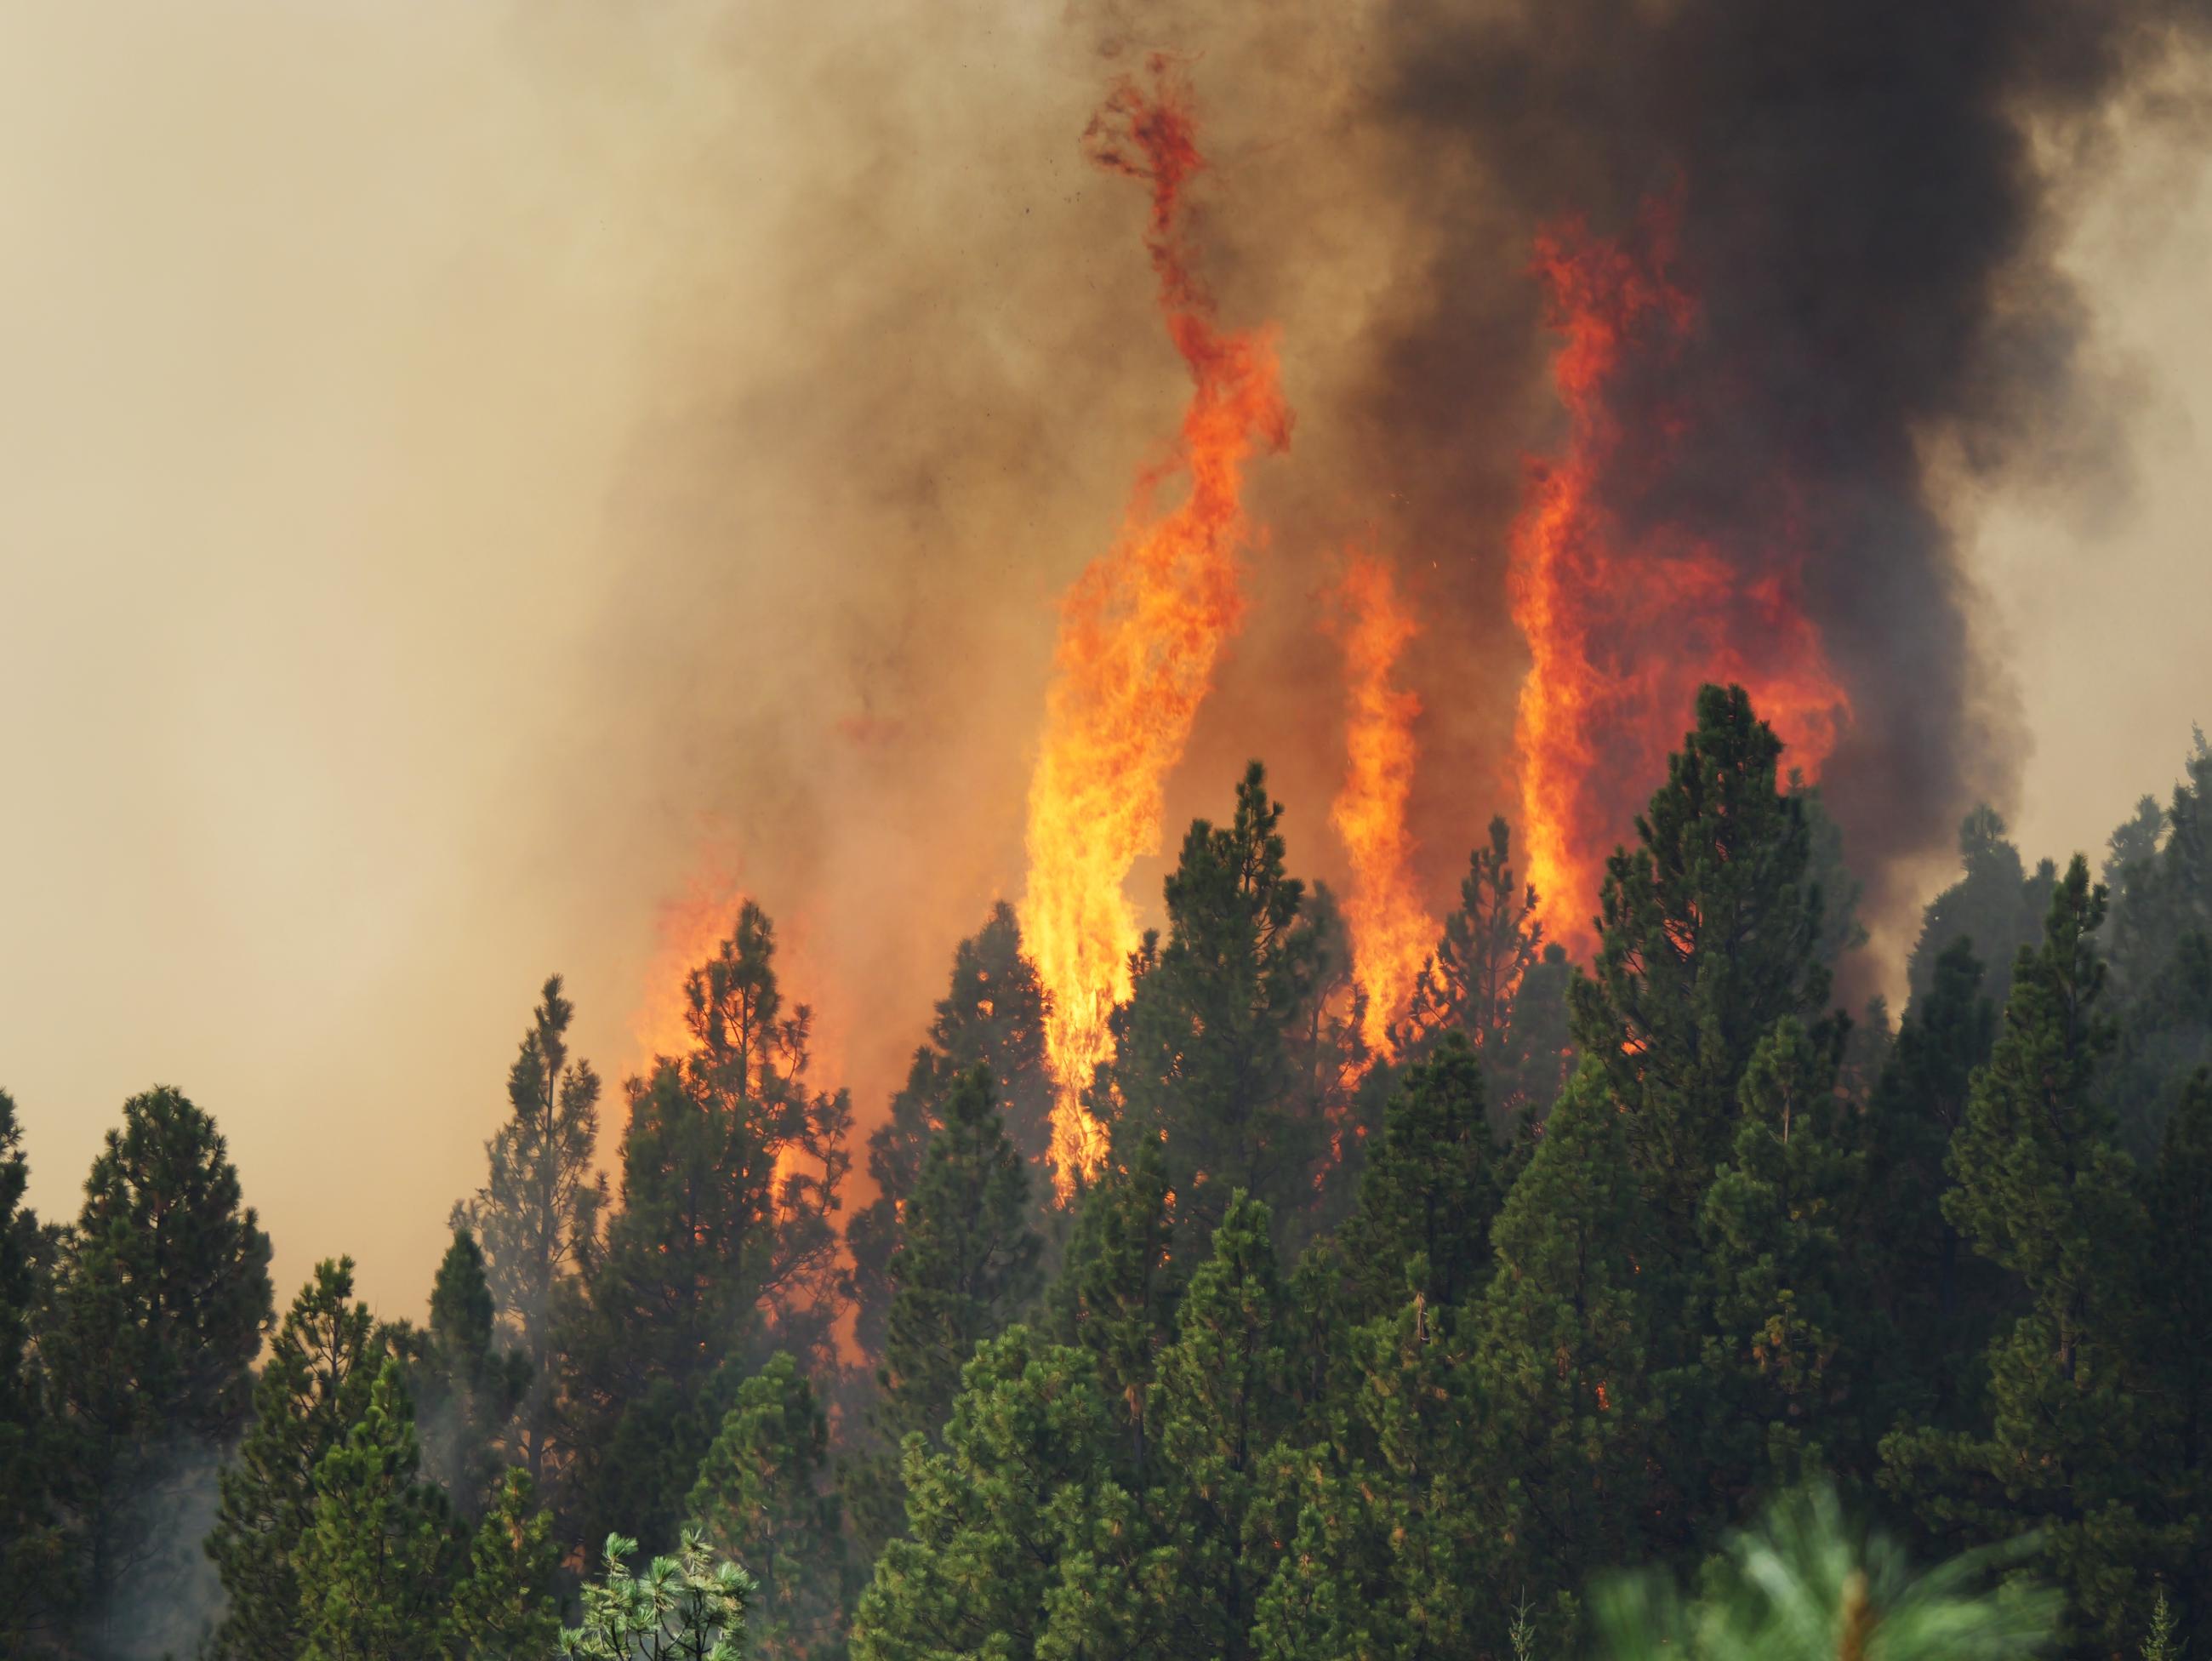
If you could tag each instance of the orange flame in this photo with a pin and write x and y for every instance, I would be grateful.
(1391, 932)
(689, 930)
(1623, 626)
(1138, 632)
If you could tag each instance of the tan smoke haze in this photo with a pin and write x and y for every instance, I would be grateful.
(473, 476)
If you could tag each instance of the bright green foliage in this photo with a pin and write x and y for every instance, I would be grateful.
(163, 1300)
(1806, 1587)
(762, 1498)
(313, 1390)
(730, 1169)
(685, 1607)
(1491, 948)
(30, 1540)
(504, 1607)
(992, 1016)
(1118, 1292)
(1563, 1425)
(1432, 1185)
(1709, 934)
(1208, 1048)
(967, 1261)
(2164, 1641)
(537, 1212)
(466, 1388)
(1220, 1402)
(1025, 1469)
(1786, 1358)
(1995, 906)
(2070, 1447)
(378, 1562)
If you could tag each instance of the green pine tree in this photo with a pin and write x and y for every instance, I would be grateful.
(505, 1606)
(2177, 1296)
(1710, 934)
(967, 1261)
(1943, 1301)
(1996, 904)
(723, 1244)
(467, 1388)
(162, 1306)
(1792, 1343)
(1117, 1294)
(30, 1537)
(312, 1390)
(1560, 1469)
(687, 1607)
(995, 1517)
(1805, 1585)
(2070, 1449)
(1221, 1403)
(1208, 1049)
(1490, 953)
(992, 1016)
(1432, 1186)
(537, 1213)
(762, 1498)
(377, 1563)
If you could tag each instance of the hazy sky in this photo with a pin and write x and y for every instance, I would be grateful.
(470, 476)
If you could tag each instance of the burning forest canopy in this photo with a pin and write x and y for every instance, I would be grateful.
(752, 512)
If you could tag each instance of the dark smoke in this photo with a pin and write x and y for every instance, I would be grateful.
(1868, 193)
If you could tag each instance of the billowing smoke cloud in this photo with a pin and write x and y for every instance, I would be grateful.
(486, 471)
(1866, 194)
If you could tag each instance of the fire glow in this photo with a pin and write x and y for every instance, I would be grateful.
(1392, 932)
(1139, 631)
(1623, 622)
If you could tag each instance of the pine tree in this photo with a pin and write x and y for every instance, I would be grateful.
(377, 1563)
(1786, 1359)
(995, 1517)
(1995, 906)
(2042, 1191)
(1431, 1188)
(1942, 1300)
(967, 1261)
(537, 1212)
(466, 1388)
(685, 1607)
(1805, 1585)
(30, 1542)
(313, 1390)
(162, 1304)
(1709, 934)
(1117, 1294)
(724, 1244)
(2159, 940)
(992, 1016)
(1205, 1049)
(1492, 950)
(504, 1607)
(762, 1497)
(1561, 1474)
(2177, 1296)
(1221, 1403)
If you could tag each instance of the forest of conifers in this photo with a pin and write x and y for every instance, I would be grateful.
(1649, 1303)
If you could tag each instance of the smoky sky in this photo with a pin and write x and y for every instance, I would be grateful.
(475, 474)
(1866, 195)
